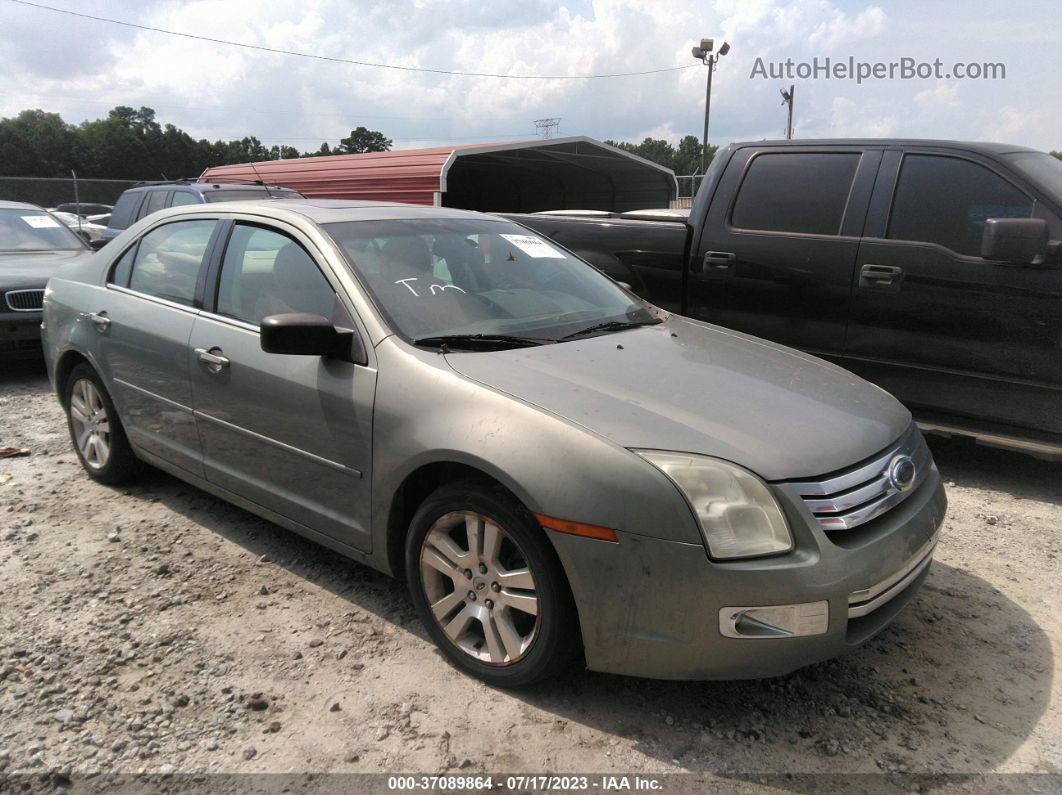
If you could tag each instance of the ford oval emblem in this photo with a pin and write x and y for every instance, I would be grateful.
(901, 472)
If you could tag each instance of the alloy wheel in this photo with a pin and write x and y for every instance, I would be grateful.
(92, 430)
(480, 588)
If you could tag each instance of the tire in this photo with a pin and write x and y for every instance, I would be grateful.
(95, 429)
(521, 572)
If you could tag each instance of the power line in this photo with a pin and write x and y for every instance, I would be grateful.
(343, 60)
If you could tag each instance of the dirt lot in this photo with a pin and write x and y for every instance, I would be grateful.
(155, 628)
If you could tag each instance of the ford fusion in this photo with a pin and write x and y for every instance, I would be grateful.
(560, 471)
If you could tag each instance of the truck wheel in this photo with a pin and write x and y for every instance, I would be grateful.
(97, 433)
(488, 586)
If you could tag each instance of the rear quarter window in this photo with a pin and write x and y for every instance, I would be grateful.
(125, 210)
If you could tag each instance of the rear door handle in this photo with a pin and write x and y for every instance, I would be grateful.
(882, 277)
(718, 260)
(215, 362)
(99, 320)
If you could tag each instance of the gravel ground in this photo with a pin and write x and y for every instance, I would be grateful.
(156, 629)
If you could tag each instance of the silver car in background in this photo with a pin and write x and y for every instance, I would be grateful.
(559, 470)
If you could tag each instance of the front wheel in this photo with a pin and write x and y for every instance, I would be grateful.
(488, 586)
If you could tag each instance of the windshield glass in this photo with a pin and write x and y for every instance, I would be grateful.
(451, 277)
(1043, 169)
(243, 194)
(35, 230)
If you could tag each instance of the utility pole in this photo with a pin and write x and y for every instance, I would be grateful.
(704, 55)
(787, 99)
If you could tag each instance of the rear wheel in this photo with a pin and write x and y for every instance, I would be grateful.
(488, 586)
(97, 433)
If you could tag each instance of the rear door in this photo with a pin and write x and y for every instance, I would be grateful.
(933, 322)
(777, 251)
(290, 433)
(144, 319)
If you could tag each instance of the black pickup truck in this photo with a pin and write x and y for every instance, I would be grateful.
(932, 268)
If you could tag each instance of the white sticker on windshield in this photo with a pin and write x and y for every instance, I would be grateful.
(40, 221)
(534, 246)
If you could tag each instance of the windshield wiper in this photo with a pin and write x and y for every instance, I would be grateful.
(612, 325)
(480, 340)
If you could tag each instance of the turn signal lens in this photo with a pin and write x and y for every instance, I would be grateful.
(577, 528)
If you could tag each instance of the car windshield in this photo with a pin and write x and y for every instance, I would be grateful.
(1043, 169)
(243, 194)
(34, 230)
(466, 283)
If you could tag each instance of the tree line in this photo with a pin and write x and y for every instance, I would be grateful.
(683, 159)
(132, 144)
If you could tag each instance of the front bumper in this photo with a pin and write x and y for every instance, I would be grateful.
(20, 335)
(655, 608)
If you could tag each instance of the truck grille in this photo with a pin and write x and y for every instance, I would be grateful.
(866, 491)
(24, 300)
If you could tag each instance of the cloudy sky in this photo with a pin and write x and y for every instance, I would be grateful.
(80, 68)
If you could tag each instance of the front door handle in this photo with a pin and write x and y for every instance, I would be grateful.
(882, 277)
(99, 320)
(215, 362)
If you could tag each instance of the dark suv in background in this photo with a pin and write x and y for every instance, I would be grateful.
(143, 200)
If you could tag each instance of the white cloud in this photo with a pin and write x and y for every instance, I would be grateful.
(217, 91)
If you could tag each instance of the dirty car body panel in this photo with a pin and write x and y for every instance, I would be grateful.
(569, 422)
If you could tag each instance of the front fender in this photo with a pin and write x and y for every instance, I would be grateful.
(427, 413)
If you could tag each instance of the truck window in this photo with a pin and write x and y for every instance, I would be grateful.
(803, 192)
(946, 200)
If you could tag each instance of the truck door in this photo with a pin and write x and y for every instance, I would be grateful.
(933, 322)
(777, 251)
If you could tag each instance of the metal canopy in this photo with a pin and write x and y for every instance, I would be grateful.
(528, 176)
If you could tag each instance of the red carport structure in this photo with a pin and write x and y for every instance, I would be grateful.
(522, 177)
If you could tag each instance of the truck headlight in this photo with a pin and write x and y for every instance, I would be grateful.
(739, 516)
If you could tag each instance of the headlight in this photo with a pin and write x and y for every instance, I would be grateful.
(739, 516)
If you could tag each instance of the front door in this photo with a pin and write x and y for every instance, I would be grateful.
(943, 329)
(290, 433)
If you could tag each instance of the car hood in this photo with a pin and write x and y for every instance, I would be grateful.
(20, 269)
(687, 386)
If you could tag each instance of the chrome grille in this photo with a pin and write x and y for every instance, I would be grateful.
(851, 498)
(24, 300)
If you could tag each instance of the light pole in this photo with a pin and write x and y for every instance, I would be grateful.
(787, 99)
(704, 55)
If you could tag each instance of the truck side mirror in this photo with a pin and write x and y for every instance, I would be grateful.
(1017, 241)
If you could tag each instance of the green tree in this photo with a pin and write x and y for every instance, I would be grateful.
(361, 140)
(38, 144)
(1056, 154)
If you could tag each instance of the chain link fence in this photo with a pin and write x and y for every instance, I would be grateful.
(50, 191)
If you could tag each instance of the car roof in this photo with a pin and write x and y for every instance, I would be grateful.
(325, 211)
(982, 147)
(9, 205)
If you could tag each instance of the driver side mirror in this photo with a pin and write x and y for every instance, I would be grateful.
(303, 334)
(1016, 241)
(96, 245)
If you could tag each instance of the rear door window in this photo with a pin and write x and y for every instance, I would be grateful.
(168, 260)
(799, 192)
(156, 201)
(946, 200)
